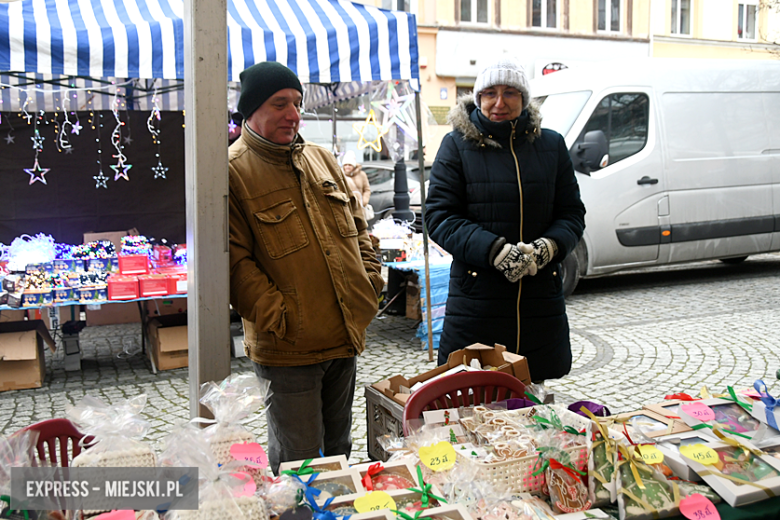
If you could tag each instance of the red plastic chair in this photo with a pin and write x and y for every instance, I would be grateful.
(453, 391)
(58, 437)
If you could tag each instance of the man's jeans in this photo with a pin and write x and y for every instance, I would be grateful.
(310, 409)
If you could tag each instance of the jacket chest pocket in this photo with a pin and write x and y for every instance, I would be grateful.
(339, 203)
(281, 229)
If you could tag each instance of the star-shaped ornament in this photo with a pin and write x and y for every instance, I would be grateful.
(100, 180)
(232, 126)
(68, 150)
(76, 128)
(37, 173)
(159, 170)
(361, 128)
(121, 166)
(38, 142)
(9, 138)
(128, 140)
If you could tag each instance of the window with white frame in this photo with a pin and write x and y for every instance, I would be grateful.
(475, 11)
(746, 23)
(681, 17)
(544, 13)
(609, 15)
(397, 5)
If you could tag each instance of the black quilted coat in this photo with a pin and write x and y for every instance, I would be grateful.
(482, 189)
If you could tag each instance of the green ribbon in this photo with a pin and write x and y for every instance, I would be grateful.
(555, 422)
(748, 407)
(705, 425)
(407, 517)
(531, 397)
(7, 500)
(303, 470)
(425, 491)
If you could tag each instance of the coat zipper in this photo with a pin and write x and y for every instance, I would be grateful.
(520, 187)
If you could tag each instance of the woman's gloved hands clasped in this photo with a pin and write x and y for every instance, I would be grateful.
(516, 261)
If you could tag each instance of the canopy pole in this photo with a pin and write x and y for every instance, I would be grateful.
(206, 185)
(421, 165)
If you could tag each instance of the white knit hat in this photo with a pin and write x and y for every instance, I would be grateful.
(505, 70)
(349, 158)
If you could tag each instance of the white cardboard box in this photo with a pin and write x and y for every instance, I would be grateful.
(729, 415)
(670, 447)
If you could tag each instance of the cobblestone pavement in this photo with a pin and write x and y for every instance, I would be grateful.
(635, 338)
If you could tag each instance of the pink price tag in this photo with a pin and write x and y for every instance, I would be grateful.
(249, 487)
(250, 452)
(117, 515)
(699, 411)
(698, 507)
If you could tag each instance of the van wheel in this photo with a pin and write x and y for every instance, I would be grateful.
(570, 273)
(733, 261)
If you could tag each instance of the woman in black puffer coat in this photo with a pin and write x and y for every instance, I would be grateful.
(504, 201)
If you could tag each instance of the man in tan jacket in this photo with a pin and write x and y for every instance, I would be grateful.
(303, 274)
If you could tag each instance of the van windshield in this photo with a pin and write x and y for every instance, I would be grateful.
(559, 111)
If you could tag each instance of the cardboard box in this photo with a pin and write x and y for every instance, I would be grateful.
(153, 285)
(413, 303)
(115, 237)
(398, 388)
(133, 264)
(114, 313)
(122, 287)
(168, 341)
(165, 306)
(22, 360)
(17, 315)
(651, 424)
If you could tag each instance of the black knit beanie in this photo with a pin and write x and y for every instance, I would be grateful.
(261, 81)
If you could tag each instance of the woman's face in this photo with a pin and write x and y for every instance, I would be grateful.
(501, 103)
(348, 168)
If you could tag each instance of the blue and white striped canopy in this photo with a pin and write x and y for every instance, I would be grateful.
(323, 41)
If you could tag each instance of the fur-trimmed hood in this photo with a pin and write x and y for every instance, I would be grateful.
(460, 119)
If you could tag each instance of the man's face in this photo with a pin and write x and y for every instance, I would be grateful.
(501, 103)
(278, 118)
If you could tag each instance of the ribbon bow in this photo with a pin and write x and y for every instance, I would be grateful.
(317, 511)
(733, 397)
(769, 402)
(680, 397)
(602, 429)
(555, 422)
(736, 444)
(373, 469)
(407, 517)
(571, 470)
(718, 428)
(425, 491)
(303, 470)
(531, 397)
(632, 464)
(7, 500)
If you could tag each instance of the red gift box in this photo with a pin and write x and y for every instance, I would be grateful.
(153, 285)
(162, 256)
(177, 279)
(134, 264)
(122, 287)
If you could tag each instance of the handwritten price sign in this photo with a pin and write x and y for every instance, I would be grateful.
(699, 411)
(250, 452)
(651, 454)
(439, 457)
(699, 453)
(698, 507)
(374, 501)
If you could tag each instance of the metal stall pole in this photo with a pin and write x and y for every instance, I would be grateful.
(421, 165)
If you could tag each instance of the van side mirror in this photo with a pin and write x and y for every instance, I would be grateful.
(588, 154)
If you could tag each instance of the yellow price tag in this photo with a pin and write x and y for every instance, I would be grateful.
(700, 453)
(374, 501)
(439, 457)
(651, 454)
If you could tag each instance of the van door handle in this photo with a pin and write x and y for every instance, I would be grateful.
(646, 180)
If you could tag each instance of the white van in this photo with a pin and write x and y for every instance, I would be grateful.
(677, 160)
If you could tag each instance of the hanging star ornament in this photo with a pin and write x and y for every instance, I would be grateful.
(397, 110)
(361, 128)
(68, 150)
(159, 170)
(76, 128)
(37, 173)
(121, 166)
(9, 138)
(38, 141)
(128, 140)
(100, 180)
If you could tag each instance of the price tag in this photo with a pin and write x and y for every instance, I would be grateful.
(250, 452)
(439, 457)
(248, 488)
(117, 515)
(699, 411)
(700, 453)
(651, 454)
(698, 507)
(374, 501)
